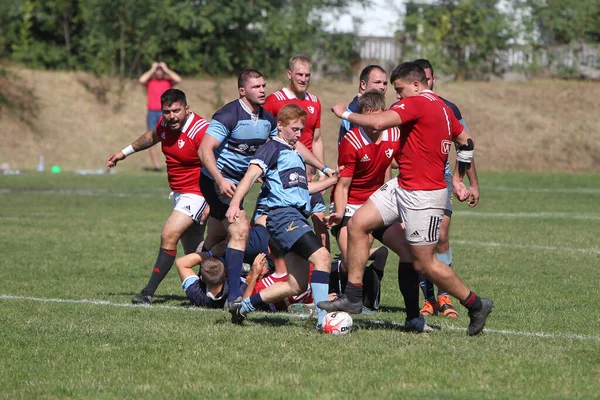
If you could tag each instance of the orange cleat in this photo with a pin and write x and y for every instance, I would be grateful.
(446, 307)
(430, 308)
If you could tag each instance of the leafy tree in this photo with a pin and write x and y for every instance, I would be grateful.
(459, 36)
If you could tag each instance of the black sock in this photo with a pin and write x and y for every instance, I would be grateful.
(472, 302)
(164, 262)
(408, 281)
(354, 292)
(426, 288)
(371, 289)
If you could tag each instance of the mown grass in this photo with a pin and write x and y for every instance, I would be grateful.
(531, 245)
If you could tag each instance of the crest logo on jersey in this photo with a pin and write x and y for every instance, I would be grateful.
(180, 143)
(311, 109)
(389, 153)
(402, 106)
(446, 146)
(163, 135)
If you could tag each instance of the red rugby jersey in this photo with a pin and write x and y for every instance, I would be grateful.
(310, 103)
(181, 152)
(366, 161)
(428, 127)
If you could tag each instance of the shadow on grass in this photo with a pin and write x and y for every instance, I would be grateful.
(373, 324)
(392, 309)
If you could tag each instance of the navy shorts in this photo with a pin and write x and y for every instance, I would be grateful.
(287, 225)
(218, 203)
(258, 242)
(152, 118)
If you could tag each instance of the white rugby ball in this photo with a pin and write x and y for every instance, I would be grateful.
(337, 323)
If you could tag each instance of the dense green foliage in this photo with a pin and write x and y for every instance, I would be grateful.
(193, 36)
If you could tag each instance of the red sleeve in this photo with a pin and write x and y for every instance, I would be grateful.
(318, 122)
(347, 158)
(158, 123)
(407, 109)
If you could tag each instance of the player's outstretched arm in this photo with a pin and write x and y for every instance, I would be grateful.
(312, 160)
(379, 122)
(319, 186)
(144, 142)
(233, 212)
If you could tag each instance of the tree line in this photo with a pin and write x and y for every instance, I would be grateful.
(213, 37)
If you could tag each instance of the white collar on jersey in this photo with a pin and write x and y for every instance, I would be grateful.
(290, 95)
(249, 111)
(426, 91)
(280, 140)
(367, 140)
(187, 123)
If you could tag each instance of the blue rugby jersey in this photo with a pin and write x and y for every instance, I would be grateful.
(285, 183)
(240, 133)
(346, 125)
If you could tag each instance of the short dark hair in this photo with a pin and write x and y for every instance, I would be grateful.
(371, 100)
(364, 74)
(247, 74)
(212, 271)
(409, 71)
(424, 64)
(275, 249)
(172, 96)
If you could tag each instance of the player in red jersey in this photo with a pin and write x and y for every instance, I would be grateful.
(296, 93)
(180, 132)
(366, 155)
(428, 130)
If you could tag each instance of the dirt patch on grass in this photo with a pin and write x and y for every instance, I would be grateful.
(538, 126)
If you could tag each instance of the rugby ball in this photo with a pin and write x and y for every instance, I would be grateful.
(337, 323)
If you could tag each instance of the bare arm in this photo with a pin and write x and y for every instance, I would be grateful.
(186, 263)
(257, 268)
(340, 199)
(148, 74)
(206, 153)
(319, 186)
(144, 142)
(385, 120)
(252, 174)
(174, 76)
(318, 146)
(308, 156)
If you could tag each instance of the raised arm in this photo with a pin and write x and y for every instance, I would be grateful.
(148, 74)
(174, 76)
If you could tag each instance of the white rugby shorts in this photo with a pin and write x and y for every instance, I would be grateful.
(189, 204)
(422, 212)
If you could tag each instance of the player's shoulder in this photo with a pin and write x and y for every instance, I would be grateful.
(312, 98)
(353, 139)
(453, 107)
(391, 134)
(228, 115)
(276, 96)
(198, 124)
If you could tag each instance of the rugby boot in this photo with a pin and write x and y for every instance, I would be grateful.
(417, 325)
(341, 303)
(430, 308)
(235, 308)
(446, 307)
(477, 318)
(142, 298)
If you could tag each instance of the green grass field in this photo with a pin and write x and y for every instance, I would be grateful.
(75, 249)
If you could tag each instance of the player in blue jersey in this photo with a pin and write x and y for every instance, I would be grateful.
(287, 197)
(371, 77)
(443, 304)
(235, 133)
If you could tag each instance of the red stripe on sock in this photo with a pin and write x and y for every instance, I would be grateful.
(470, 299)
(170, 252)
(356, 284)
